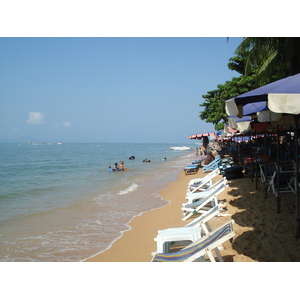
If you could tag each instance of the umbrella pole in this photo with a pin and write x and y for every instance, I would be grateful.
(251, 163)
(296, 136)
(278, 173)
(256, 163)
(265, 163)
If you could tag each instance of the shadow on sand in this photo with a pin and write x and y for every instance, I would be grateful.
(264, 235)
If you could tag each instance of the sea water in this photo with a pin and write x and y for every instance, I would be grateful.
(59, 203)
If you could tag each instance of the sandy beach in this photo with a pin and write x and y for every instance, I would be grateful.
(262, 234)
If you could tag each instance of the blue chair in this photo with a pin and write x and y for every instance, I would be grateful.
(212, 165)
(191, 169)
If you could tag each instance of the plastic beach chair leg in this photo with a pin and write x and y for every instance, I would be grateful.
(210, 255)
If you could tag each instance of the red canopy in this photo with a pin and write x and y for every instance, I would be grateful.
(198, 136)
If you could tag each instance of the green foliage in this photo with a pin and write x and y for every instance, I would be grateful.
(274, 57)
(259, 60)
(214, 104)
(237, 63)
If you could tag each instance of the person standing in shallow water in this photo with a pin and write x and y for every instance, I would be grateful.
(121, 166)
(197, 152)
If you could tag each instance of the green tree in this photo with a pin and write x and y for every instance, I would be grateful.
(237, 63)
(259, 60)
(214, 104)
(274, 57)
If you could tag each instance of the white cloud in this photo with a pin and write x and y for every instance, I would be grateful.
(36, 118)
(66, 124)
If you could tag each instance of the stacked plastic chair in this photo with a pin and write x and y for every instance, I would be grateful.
(225, 163)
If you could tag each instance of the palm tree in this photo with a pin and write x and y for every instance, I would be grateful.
(274, 57)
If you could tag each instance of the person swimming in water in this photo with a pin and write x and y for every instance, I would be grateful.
(121, 166)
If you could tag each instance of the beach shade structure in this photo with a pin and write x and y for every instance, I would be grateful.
(262, 118)
(228, 132)
(205, 142)
(241, 124)
(242, 138)
(280, 98)
(200, 135)
(204, 246)
(258, 117)
(204, 136)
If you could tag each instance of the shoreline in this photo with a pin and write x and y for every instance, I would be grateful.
(262, 234)
(137, 243)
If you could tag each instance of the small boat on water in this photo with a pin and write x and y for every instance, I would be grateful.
(181, 148)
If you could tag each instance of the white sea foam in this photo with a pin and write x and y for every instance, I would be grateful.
(132, 188)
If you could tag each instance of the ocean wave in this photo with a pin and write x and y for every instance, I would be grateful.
(130, 189)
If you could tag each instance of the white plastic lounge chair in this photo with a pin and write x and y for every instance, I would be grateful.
(191, 232)
(205, 245)
(197, 181)
(212, 165)
(203, 205)
(202, 183)
(202, 192)
(202, 220)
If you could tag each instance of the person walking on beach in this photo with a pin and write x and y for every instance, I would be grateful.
(197, 152)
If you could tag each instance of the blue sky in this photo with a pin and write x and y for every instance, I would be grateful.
(105, 89)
